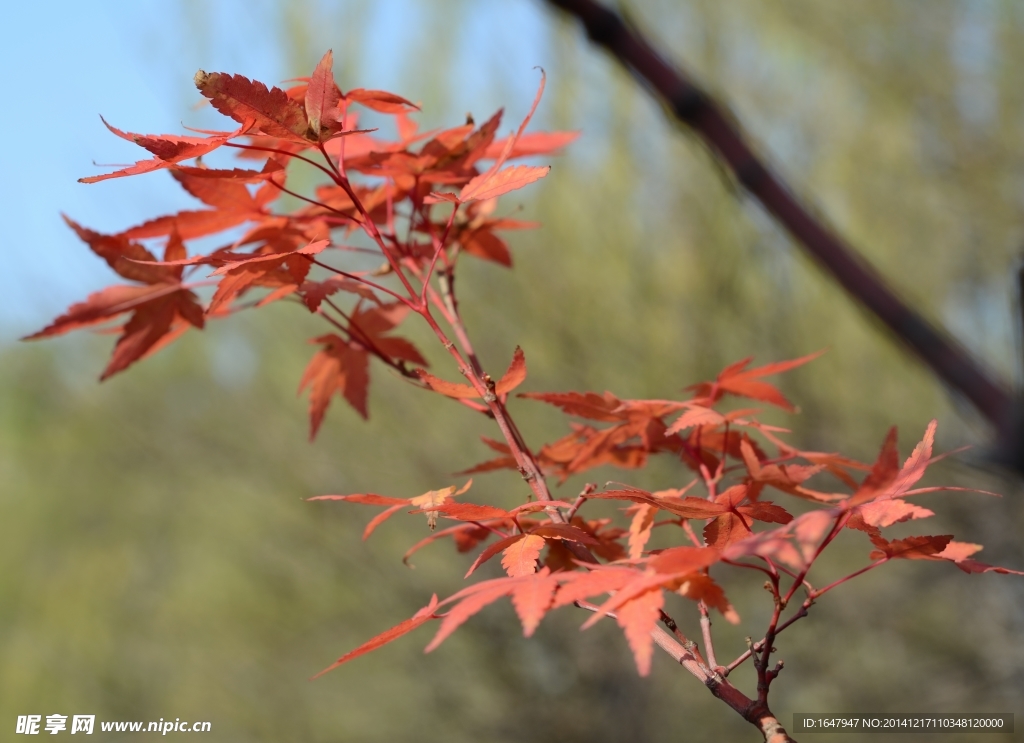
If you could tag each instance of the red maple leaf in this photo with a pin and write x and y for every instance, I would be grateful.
(342, 365)
(381, 100)
(532, 599)
(738, 380)
(583, 404)
(427, 504)
(528, 145)
(420, 618)
(283, 272)
(520, 557)
(321, 100)
(495, 181)
(471, 600)
(168, 148)
(162, 307)
(638, 618)
(269, 110)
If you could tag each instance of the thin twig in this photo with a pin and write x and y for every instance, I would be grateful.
(589, 488)
(757, 646)
(705, 631)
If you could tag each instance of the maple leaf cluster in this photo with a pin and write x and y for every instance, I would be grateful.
(570, 559)
(393, 192)
(421, 201)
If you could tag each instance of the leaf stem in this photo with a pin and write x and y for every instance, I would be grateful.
(439, 246)
(851, 576)
(367, 282)
(277, 151)
(309, 200)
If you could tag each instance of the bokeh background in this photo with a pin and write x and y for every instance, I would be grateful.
(157, 558)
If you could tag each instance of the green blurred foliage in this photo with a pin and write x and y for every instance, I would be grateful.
(158, 559)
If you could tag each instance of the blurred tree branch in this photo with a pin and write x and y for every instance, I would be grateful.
(693, 106)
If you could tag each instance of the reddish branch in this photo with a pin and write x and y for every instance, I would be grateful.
(693, 106)
(685, 653)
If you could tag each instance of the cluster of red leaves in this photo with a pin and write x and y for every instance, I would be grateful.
(284, 255)
(727, 453)
(421, 200)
